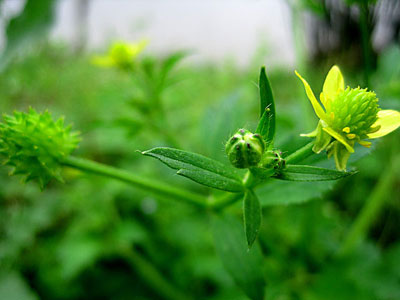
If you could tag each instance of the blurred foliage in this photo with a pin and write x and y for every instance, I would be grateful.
(92, 238)
(29, 25)
(69, 241)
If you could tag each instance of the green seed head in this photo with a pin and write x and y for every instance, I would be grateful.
(34, 144)
(245, 149)
(353, 112)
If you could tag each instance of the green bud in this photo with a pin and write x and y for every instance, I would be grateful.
(272, 159)
(34, 145)
(245, 149)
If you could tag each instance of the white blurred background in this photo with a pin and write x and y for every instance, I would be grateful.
(214, 29)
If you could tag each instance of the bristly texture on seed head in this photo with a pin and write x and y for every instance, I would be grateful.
(355, 111)
(33, 144)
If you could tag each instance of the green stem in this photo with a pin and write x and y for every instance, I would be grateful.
(300, 154)
(371, 209)
(150, 185)
(150, 274)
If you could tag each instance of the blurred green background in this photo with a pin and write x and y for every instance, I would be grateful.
(95, 238)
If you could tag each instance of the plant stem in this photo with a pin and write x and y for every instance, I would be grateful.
(150, 185)
(371, 209)
(150, 274)
(300, 154)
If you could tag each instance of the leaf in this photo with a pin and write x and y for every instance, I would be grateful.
(266, 125)
(169, 63)
(14, 287)
(32, 23)
(199, 168)
(279, 192)
(244, 265)
(310, 173)
(252, 216)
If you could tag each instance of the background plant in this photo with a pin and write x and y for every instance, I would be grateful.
(63, 242)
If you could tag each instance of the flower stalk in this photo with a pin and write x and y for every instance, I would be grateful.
(153, 186)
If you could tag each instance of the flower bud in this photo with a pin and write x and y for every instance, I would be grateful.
(245, 149)
(272, 160)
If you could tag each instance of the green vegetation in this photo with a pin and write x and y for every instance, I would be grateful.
(259, 212)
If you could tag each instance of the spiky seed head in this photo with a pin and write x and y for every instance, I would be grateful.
(353, 112)
(245, 149)
(33, 144)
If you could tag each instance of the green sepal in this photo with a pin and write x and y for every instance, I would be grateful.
(266, 125)
(251, 216)
(322, 139)
(310, 173)
(340, 153)
(199, 168)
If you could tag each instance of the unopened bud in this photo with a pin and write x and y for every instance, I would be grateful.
(245, 149)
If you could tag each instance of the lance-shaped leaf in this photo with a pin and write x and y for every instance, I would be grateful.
(266, 125)
(244, 265)
(310, 173)
(252, 216)
(199, 168)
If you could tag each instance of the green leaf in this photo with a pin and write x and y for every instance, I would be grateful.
(199, 168)
(252, 216)
(14, 287)
(244, 265)
(168, 65)
(279, 192)
(310, 173)
(266, 125)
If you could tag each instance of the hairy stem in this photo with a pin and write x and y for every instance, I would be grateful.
(152, 276)
(371, 209)
(151, 185)
(300, 154)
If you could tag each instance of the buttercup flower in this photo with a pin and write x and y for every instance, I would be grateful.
(347, 116)
(121, 55)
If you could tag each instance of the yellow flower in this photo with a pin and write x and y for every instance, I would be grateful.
(120, 55)
(347, 116)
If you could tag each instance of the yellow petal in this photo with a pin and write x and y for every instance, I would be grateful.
(102, 61)
(135, 49)
(333, 84)
(389, 120)
(317, 107)
(339, 138)
(325, 101)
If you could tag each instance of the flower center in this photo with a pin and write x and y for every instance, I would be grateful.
(353, 112)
